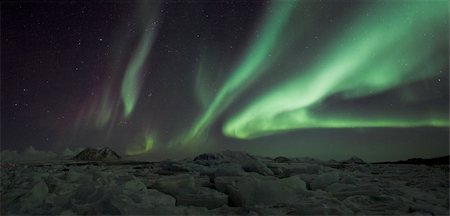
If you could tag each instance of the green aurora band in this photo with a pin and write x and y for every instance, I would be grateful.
(105, 110)
(132, 82)
(382, 51)
(139, 149)
(377, 52)
(147, 13)
(251, 67)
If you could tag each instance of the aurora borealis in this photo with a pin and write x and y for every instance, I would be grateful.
(360, 64)
(170, 78)
(251, 66)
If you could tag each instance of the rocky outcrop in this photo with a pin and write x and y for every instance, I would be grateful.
(354, 160)
(91, 154)
(444, 160)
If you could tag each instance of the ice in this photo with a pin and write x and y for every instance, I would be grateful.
(224, 183)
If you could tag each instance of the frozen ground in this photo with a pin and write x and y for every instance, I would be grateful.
(224, 183)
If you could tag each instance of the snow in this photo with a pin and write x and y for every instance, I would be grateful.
(224, 183)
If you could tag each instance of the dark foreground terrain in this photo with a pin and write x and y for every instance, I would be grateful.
(222, 184)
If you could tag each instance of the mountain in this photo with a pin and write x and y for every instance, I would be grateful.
(91, 154)
(430, 161)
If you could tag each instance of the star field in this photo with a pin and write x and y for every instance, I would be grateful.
(327, 79)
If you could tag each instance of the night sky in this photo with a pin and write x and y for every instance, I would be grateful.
(161, 79)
